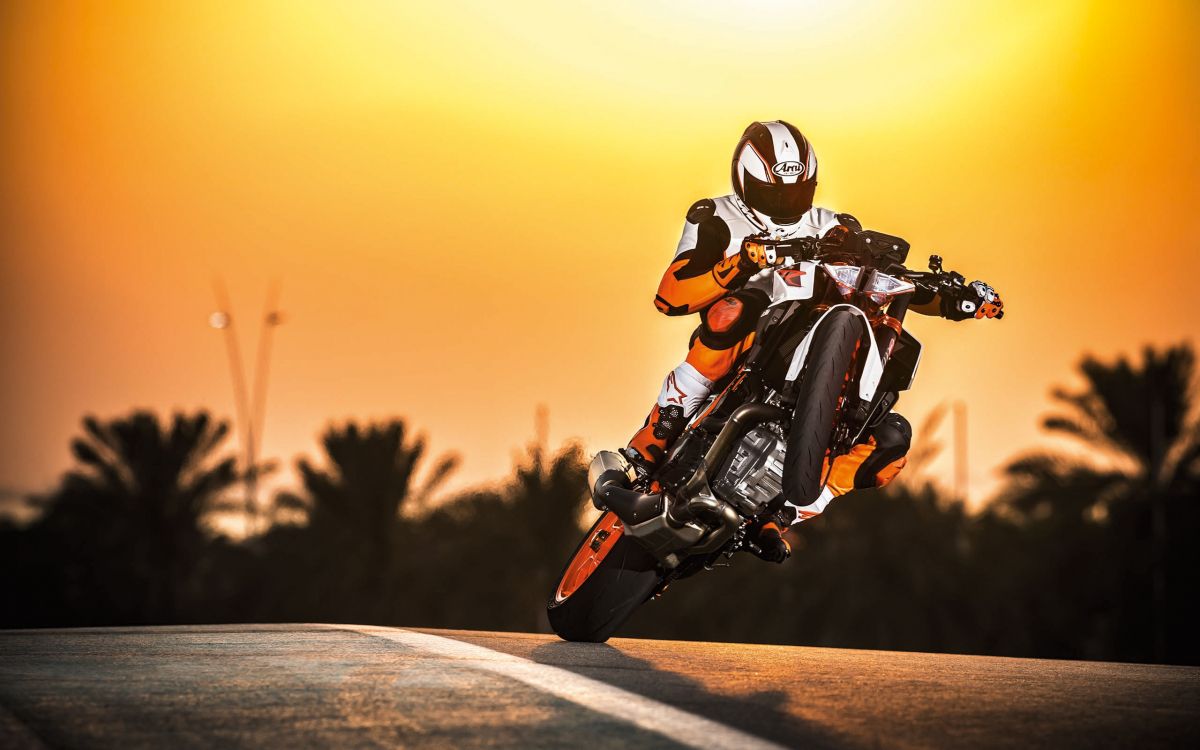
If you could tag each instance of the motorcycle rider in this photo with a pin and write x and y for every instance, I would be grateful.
(774, 175)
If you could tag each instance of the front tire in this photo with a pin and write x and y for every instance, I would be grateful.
(823, 382)
(607, 577)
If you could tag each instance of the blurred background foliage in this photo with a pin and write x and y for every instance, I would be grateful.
(1086, 553)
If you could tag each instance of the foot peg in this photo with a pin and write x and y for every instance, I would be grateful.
(642, 468)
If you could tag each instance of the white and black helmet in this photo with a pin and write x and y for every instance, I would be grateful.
(775, 171)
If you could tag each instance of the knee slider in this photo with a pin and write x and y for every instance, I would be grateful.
(731, 319)
(892, 438)
(893, 433)
(723, 314)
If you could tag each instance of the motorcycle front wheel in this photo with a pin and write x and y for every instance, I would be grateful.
(607, 577)
(823, 382)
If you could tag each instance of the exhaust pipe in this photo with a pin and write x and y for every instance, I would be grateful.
(610, 477)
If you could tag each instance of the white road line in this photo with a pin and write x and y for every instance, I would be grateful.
(680, 726)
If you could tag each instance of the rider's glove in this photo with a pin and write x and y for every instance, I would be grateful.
(771, 546)
(974, 300)
(837, 234)
(756, 255)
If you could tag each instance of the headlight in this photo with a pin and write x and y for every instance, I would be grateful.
(879, 287)
(846, 277)
(882, 287)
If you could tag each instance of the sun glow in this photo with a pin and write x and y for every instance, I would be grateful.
(467, 200)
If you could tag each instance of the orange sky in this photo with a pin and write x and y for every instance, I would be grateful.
(470, 204)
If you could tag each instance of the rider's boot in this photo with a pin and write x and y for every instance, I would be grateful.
(650, 444)
(683, 391)
(765, 539)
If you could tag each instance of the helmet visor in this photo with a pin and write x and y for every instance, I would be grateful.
(779, 200)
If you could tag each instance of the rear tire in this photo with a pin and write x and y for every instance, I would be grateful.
(822, 384)
(623, 580)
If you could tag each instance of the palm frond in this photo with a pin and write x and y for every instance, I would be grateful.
(926, 447)
(291, 501)
(1043, 483)
(1184, 461)
(437, 476)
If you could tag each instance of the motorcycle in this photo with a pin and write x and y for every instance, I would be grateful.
(829, 359)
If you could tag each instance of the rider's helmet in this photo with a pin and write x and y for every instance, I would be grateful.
(775, 172)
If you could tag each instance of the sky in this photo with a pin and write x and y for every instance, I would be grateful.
(468, 205)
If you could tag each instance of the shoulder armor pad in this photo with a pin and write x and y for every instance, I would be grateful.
(701, 210)
(849, 222)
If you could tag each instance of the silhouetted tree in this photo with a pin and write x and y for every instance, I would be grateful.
(123, 537)
(1113, 525)
(493, 555)
(1087, 554)
(346, 558)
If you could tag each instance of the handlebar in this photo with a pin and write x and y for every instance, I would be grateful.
(948, 283)
(943, 282)
(865, 248)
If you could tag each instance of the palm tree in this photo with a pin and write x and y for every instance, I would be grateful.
(544, 505)
(354, 510)
(139, 501)
(1141, 465)
(497, 551)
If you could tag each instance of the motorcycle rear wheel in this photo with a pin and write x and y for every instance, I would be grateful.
(607, 577)
(823, 382)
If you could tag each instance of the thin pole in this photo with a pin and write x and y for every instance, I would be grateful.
(237, 372)
(961, 477)
(541, 425)
(541, 431)
(270, 320)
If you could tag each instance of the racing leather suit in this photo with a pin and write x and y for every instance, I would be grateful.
(707, 277)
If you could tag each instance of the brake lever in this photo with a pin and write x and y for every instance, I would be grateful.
(941, 277)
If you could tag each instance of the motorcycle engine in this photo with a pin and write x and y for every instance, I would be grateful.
(753, 474)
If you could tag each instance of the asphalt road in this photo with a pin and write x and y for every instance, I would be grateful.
(266, 686)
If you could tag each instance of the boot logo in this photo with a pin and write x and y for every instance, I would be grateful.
(672, 385)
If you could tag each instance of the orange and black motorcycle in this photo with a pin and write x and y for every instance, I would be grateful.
(829, 359)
